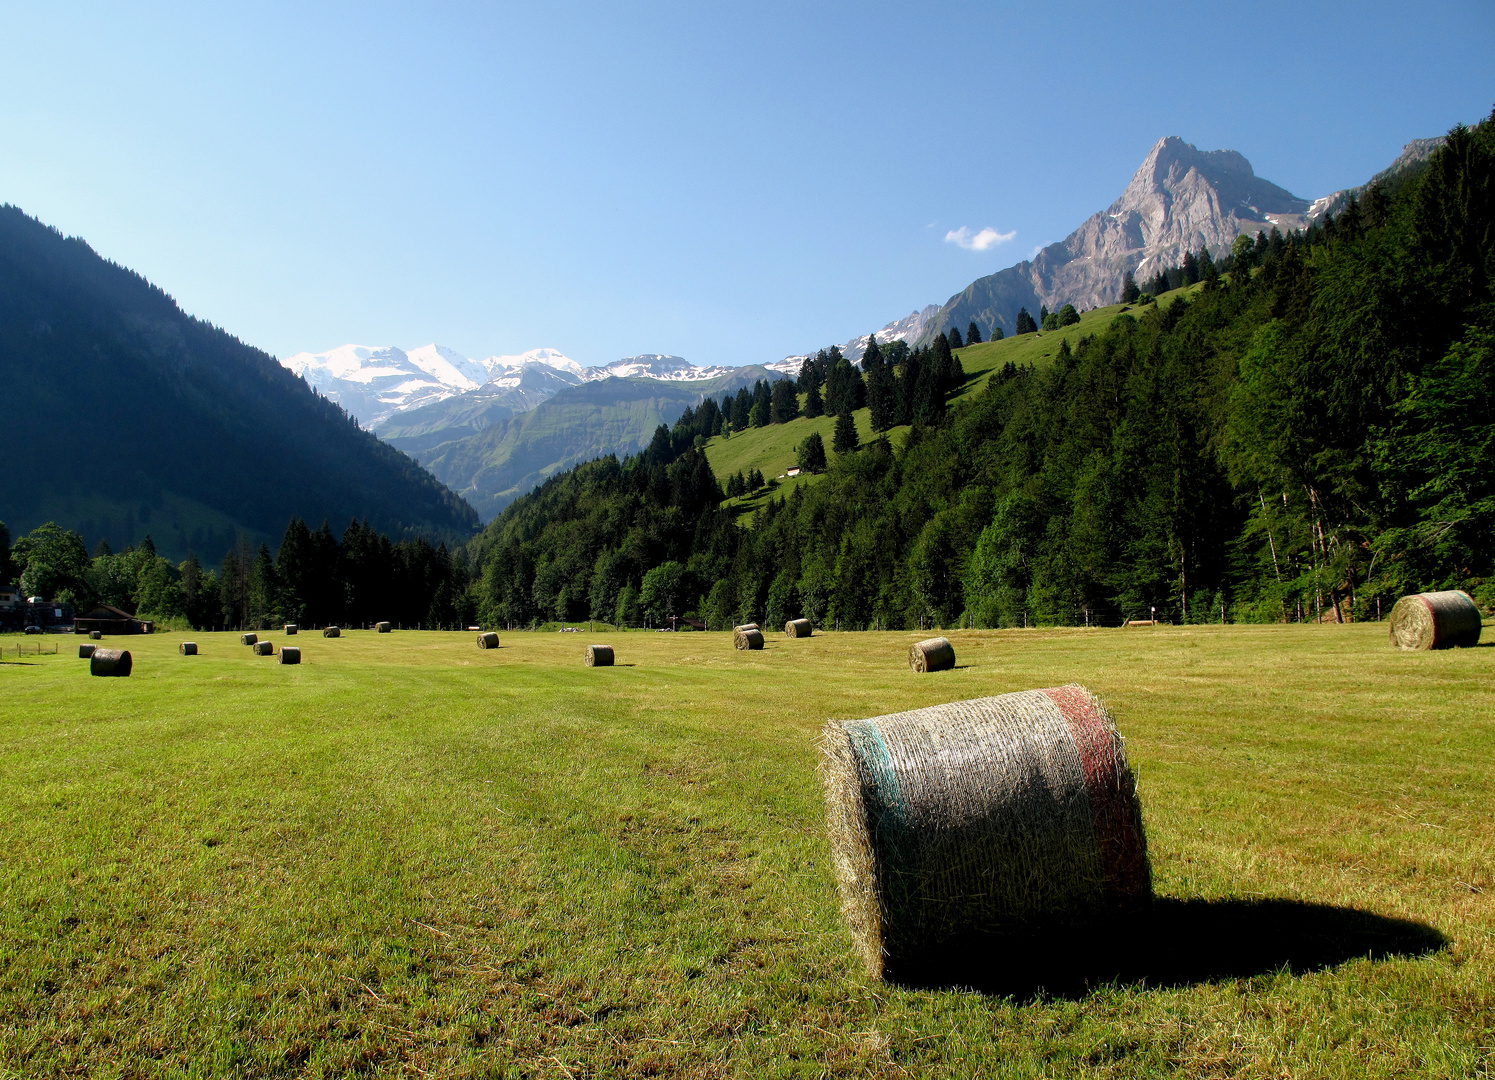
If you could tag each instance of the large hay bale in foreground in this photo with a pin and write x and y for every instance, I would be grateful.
(383, 627)
(1002, 815)
(488, 640)
(932, 654)
(289, 654)
(599, 656)
(747, 639)
(798, 628)
(187, 648)
(331, 631)
(264, 648)
(96, 635)
(1435, 620)
(248, 639)
(291, 628)
(85, 651)
(114, 662)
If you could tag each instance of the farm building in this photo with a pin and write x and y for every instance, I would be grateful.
(111, 620)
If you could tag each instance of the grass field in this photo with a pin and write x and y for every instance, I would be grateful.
(408, 856)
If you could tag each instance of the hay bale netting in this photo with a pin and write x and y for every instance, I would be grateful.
(1435, 620)
(289, 654)
(747, 626)
(264, 648)
(383, 627)
(1003, 815)
(248, 639)
(331, 631)
(187, 648)
(96, 635)
(747, 639)
(932, 654)
(109, 662)
(488, 640)
(798, 628)
(85, 651)
(599, 656)
(291, 628)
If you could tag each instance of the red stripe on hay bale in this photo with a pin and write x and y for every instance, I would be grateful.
(111, 662)
(488, 640)
(1112, 793)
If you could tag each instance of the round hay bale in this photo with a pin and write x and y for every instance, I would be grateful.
(264, 648)
(488, 640)
(96, 635)
(383, 627)
(187, 648)
(114, 662)
(291, 628)
(932, 654)
(747, 639)
(746, 626)
(85, 651)
(331, 631)
(599, 656)
(1435, 620)
(248, 639)
(289, 654)
(798, 628)
(1002, 815)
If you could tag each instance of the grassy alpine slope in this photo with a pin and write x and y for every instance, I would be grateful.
(410, 856)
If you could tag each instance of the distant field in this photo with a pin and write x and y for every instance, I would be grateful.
(408, 856)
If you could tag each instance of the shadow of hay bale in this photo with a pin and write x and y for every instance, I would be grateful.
(1177, 943)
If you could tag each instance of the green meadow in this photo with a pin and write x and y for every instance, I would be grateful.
(411, 857)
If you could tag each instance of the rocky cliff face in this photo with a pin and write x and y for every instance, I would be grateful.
(1179, 200)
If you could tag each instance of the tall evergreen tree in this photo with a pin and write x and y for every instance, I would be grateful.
(1025, 323)
(954, 340)
(811, 453)
(973, 334)
(1129, 290)
(814, 405)
(845, 439)
(784, 404)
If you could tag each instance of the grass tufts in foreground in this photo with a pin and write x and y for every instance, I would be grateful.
(408, 855)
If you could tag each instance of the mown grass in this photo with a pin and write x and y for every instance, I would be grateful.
(408, 856)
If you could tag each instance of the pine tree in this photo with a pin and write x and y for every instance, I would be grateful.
(1043, 314)
(1025, 323)
(742, 407)
(784, 405)
(997, 334)
(814, 405)
(811, 454)
(973, 334)
(954, 340)
(1129, 291)
(845, 439)
(1191, 269)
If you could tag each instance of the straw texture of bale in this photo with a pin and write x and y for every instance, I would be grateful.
(114, 662)
(187, 648)
(383, 627)
(97, 635)
(248, 639)
(289, 654)
(747, 626)
(747, 639)
(291, 628)
(798, 628)
(999, 816)
(599, 656)
(932, 654)
(264, 648)
(85, 651)
(331, 631)
(488, 640)
(1435, 620)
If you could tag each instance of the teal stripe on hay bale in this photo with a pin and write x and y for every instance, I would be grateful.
(932, 654)
(248, 639)
(113, 662)
(264, 648)
(999, 816)
(798, 628)
(599, 656)
(331, 631)
(488, 640)
(289, 654)
(747, 639)
(383, 627)
(187, 648)
(1435, 620)
(291, 628)
(96, 635)
(85, 651)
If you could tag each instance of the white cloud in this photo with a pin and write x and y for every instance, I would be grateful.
(977, 241)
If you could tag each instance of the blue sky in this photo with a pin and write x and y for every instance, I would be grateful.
(728, 183)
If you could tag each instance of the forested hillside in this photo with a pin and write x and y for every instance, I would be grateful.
(1307, 436)
(129, 418)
